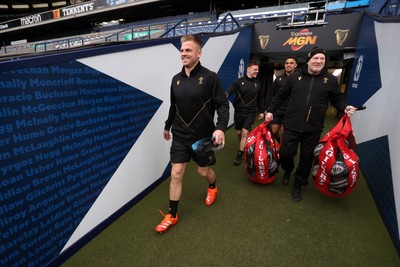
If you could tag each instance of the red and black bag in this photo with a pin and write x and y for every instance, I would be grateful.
(260, 155)
(335, 170)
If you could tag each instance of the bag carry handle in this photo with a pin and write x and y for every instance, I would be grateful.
(343, 128)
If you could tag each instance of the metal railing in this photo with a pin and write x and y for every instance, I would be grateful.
(225, 21)
(59, 44)
(183, 27)
(138, 32)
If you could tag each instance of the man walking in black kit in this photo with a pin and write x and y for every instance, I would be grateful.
(310, 91)
(249, 99)
(196, 94)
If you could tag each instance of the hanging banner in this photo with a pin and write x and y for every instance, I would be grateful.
(340, 32)
(47, 16)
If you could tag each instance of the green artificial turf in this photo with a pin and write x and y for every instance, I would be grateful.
(249, 225)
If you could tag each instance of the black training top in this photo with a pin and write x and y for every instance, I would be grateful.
(249, 96)
(309, 98)
(280, 82)
(194, 100)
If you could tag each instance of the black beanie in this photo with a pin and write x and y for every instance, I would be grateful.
(314, 51)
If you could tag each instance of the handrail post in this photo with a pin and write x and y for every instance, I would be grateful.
(174, 28)
(224, 22)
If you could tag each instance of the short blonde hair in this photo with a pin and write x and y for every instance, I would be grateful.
(191, 37)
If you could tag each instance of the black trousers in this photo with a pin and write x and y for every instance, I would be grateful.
(288, 151)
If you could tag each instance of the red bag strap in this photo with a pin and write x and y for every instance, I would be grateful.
(349, 133)
(351, 161)
(260, 153)
(336, 129)
(326, 159)
(268, 136)
(263, 127)
(347, 127)
(343, 128)
(255, 131)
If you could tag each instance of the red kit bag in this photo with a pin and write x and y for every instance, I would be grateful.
(335, 169)
(260, 155)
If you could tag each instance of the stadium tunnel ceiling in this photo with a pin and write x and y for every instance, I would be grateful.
(136, 13)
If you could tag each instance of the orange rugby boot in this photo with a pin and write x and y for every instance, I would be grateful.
(166, 223)
(211, 196)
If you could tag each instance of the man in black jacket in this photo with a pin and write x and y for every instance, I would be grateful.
(196, 94)
(249, 99)
(276, 123)
(310, 91)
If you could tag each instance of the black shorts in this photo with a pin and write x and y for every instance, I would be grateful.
(183, 152)
(244, 120)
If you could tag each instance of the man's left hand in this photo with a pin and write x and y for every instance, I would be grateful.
(219, 137)
(349, 110)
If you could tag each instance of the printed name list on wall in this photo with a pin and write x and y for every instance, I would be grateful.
(64, 131)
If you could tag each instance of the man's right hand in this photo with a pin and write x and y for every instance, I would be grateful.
(166, 135)
(269, 117)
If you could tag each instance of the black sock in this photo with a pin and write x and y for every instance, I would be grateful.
(212, 186)
(240, 153)
(173, 207)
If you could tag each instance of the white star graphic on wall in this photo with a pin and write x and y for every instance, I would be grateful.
(381, 118)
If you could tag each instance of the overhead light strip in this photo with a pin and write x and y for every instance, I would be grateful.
(20, 6)
(41, 5)
(60, 3)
